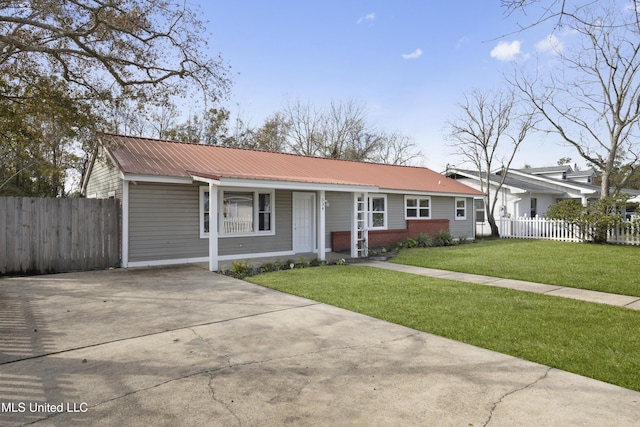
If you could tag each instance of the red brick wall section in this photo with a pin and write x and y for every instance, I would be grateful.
(341, 240)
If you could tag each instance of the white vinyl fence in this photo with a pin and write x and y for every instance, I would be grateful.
(625, 233)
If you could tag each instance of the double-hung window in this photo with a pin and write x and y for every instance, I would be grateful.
(479, 207)
(461, 208)
(378, 211)
(417, 207)
(242, 212)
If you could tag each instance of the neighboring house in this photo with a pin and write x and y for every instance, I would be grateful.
(195, 203)
(529, 192)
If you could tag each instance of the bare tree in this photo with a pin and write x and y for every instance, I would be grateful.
(126, 118)
(306, 135)
(487, 134)
(396, 149)
(342, 132)
(592, 100)
(346, 133)
(162, 119)
(563, 12)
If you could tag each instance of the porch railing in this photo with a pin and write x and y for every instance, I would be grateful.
(238, 225)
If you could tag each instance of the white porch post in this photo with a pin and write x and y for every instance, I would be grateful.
(213, 227)
(321, 226)
(354, 226)
(365, 225)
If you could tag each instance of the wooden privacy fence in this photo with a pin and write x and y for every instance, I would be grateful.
(57, 235)
(624, 233)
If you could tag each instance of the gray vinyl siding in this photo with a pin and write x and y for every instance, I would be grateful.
(281, 241)
(104, 178)
(338, 214)
(445, 208)
(338, 217)
(164, 222)
(395, 211)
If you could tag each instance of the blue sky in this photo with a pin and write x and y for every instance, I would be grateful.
(409, 62)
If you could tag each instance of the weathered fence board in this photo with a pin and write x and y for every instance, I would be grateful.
(57, 235)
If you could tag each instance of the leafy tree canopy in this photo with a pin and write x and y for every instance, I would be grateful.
(66, 66)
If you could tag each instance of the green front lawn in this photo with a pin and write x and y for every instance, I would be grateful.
(588, 339)
(606, 268)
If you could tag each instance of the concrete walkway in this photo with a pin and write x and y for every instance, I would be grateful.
(630, 302)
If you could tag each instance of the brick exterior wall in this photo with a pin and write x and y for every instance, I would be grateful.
(341, 240)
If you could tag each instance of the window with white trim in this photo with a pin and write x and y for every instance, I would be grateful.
(243, 212)
(204, 212)
(378, 212)
(479, 207)
(417, 207)
(461, 209)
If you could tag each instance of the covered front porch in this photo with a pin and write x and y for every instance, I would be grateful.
(313, 212)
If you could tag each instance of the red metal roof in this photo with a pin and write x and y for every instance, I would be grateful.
(143, 156)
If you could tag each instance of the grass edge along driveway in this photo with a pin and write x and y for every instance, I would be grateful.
(605, 268)
(593, 340)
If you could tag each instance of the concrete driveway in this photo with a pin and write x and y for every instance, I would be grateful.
(182, 346)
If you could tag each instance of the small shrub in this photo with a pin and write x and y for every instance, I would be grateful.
(303, 263)
(268, 267)
(409, 243)
(424, 240)
(240, 269)
(443, 238)
(315, 262)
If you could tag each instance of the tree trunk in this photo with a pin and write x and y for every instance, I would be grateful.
(495, 232)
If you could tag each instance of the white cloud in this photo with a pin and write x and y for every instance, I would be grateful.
(551, 44)
(506, 51)
(368, 17)
(462, 41)
(413, 55)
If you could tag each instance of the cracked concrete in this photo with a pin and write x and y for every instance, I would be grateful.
(503, 397)
(182, 346)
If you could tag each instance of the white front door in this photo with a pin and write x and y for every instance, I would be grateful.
(303, 222)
